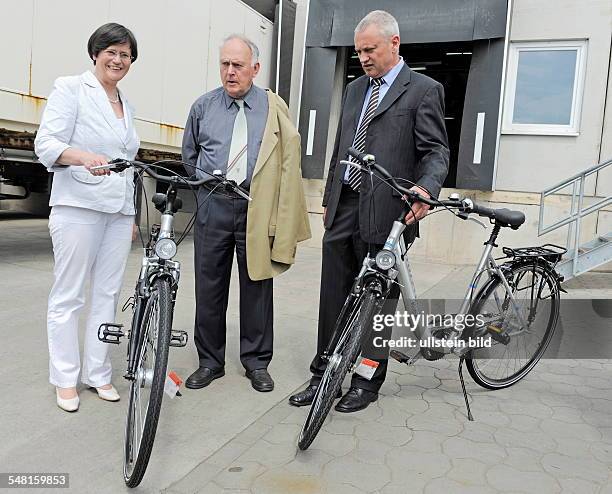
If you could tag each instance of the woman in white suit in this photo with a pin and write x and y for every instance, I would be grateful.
(87, 122)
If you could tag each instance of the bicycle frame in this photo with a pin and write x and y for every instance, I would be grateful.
(402, 274)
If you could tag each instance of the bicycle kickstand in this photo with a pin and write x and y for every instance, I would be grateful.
(467, 403)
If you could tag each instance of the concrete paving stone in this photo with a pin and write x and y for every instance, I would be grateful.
(567, 414)
(334, 444)
(468, 471)
(253, 433)
(484, 401)
(412, 485)
(393, 417)
(558, 429)
(578, 486)
(239, 475)
(562, 389)
(426, 382)
(297, 416)
(309, 462)
(453, 398)
(606, 433)
(341, 423)
(196, 478)
(389, 387)
(534, 409)
(601, 382)
(419, 370)
(371, 451)
(408, 405)
(572, 447)
(557, 400)
(434, 423)
(374, 431)
(490, 454)
(537, 441)
(523, 459)
(524, 423)
(281, 481)
(602, 452)
(269, 454)
(347, 470)
(491, 417)
(336, 488)
(283, 433)
(597, 419)
(448, 374)
(590, 392)
(601, 404)
(406, 464)
(277, 414)
(411, 391)
(371, 413)
(477, 432)
(448, 485)
(562, 466)
(505, 478)
(569, 379)
(228, 453)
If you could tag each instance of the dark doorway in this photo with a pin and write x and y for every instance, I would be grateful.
(447, 63)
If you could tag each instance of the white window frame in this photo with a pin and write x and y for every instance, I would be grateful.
(573, 129)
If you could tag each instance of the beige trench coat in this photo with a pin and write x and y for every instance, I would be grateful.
(277, 217)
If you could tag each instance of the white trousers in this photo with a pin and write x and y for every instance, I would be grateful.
(88, 246)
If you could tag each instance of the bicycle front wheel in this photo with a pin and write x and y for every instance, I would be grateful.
(146, 391)
(344, 356)
(518, 342)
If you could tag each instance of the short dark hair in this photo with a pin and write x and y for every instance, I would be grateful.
(111, 34)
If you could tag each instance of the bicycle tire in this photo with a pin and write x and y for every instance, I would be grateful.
(346, 351)
(157, 318)
(541, 320)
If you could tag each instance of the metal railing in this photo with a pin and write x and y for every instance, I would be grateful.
(577, 209)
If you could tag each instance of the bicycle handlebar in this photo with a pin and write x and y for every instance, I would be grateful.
(465, 206)
(118, 165)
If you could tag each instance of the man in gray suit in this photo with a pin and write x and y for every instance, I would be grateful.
(398, 116)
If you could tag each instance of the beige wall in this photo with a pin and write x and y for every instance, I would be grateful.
(531, 163)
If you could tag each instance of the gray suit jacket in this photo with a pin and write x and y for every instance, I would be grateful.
(408, 137)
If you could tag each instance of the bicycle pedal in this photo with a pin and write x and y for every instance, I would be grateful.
(178, 338)
(110, 332)
(402, 358)
(497, 334)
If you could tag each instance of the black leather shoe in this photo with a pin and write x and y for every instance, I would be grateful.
(305, 397)
(203, 376)
(260, 380)
(356, 399)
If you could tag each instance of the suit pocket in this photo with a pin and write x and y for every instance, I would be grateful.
(86, 178)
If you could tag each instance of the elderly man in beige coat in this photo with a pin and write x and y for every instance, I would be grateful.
(245, 132)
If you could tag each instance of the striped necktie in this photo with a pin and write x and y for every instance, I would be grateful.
(237, 163)
(354, 177)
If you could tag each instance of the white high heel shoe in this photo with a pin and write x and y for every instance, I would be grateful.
(67, 404)
(108, 394)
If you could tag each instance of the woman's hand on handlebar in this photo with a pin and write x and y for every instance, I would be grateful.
(419, 209)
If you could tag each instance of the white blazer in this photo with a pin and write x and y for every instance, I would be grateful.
(78, 115)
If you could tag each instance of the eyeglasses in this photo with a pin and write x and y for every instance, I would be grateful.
(125, 57)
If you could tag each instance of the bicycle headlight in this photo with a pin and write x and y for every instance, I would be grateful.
(385, 259)
(165, 248)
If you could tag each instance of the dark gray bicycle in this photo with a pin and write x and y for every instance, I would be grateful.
(151, 335)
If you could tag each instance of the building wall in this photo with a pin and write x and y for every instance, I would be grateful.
(531, 163)
(527, 164)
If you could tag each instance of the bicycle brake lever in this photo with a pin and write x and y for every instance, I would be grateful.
(469, 218)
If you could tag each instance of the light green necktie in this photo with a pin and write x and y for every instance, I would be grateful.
(237, 163)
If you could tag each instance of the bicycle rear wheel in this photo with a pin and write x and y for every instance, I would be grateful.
(516, 347)
(146, 391)
(341, 360)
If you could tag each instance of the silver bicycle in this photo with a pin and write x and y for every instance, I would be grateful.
(514, 306)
